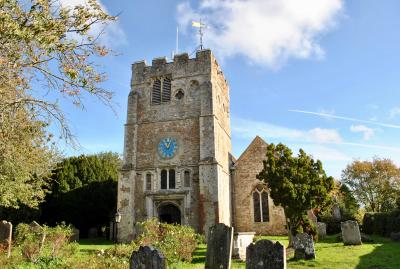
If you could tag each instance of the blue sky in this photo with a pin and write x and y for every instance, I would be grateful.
(319, 75)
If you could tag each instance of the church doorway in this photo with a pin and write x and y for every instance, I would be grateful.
(170, 214)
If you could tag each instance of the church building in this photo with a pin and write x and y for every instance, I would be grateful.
(177, 163)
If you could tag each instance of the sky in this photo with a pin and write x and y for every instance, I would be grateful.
(323, 76)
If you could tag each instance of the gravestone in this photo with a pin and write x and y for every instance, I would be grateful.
(240, 243)
(336, 212)
(6, 235)
(92, 233)
(395, 236)
(303, 245)
(312, 217)
(75, 235)
(35, 227)
(265, 254)
(350, 233)
(147, 258)
(219, 247)
(321, 228)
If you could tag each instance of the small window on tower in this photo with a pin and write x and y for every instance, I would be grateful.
(179, 95)
(148, 182)
(186, 179)
(164, 179)
(171, 179)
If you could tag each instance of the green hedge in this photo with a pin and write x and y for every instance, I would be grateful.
(381, 223)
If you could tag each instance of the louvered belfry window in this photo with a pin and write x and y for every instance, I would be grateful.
(166, 90)
(161, 91)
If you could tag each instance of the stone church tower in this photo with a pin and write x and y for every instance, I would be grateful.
(177, 145)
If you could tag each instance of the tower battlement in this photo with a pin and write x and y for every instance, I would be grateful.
(181, 65)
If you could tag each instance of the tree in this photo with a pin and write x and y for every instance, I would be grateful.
(297, 184)
(375, 184)
(46, 49)
(83, 191)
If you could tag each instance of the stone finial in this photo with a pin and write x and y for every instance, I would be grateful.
(219, 247)
(147, 258)
(265, 254)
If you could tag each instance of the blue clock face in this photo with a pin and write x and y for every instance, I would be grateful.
(167, 147)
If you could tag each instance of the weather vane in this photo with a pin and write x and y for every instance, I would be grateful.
(201, 27)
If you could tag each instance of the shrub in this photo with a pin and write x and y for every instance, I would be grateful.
(176, 242)
(383, 223)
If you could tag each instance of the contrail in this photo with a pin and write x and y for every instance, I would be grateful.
(345, 118)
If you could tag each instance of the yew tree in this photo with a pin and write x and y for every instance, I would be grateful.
(297, 183)
(48, 51)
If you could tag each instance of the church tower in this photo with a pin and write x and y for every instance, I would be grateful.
(177, 145)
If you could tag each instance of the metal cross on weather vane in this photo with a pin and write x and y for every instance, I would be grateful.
(201, 26)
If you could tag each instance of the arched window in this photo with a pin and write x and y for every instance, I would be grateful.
(156, 94)
(260, 205)
(164, 179)
(166, 90)
(186, 179)
(171, 183)
(148, 182)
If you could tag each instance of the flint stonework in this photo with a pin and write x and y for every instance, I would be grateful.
(351, 233)
(147, 258)
(219, 247)
(265, 254)
(303, 245)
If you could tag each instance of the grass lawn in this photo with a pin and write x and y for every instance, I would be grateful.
(381, 254)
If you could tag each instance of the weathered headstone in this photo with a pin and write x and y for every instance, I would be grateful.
(303, 245)
(336, 212)
(219, 247)
(395, 236)
(147, 258)
(240, 243)
(351, 233)
(312, 216)
(75, 235)
(35, 227)
(321, 229)
(265, 254)
(92, 233)
(6, 235)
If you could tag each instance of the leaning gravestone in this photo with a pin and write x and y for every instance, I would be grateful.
(303, 245)
(147, 258)
(219, 247)
(265, 254)
(6, 235)
(321, 229)
(351, 233)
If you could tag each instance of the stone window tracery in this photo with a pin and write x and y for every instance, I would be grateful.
(168, 179)
(260, 204)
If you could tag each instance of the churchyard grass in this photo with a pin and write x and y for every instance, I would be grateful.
(381, 254)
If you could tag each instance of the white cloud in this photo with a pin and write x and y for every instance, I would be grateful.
(267, 32)
(320, 135)
(327, 154)
(367, 132)
(110, 34)
(394, 112)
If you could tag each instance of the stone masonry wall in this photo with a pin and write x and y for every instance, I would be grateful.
(244, 182)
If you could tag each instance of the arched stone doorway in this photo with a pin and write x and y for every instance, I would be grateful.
(169, 213)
